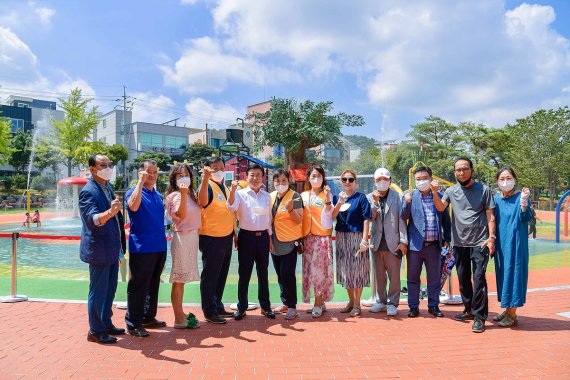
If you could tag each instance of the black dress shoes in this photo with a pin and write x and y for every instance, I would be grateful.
(154, 324)
(115, 331)
(435, 311)
(138, 331)
(268, 313)
(215, 318)
(465, 316)
(102, 338)
(414, 312)
(225, 314)
(239, 315)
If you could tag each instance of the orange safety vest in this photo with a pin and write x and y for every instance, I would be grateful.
(217, 219)
(285, 228)
(315, 218)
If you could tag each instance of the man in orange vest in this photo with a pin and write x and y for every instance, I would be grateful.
(216, 236)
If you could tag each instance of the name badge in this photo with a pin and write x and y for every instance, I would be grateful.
(220, 197)
(319, 203)
(284, 209)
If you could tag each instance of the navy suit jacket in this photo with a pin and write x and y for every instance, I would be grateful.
(413, 213)
(99, 245)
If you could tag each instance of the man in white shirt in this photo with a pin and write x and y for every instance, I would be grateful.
(253, 212)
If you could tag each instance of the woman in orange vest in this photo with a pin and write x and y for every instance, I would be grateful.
(318, 273)
(286, 209)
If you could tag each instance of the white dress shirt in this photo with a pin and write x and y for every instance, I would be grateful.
(253, 209)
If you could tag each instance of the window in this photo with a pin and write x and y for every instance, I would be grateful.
(103, 123)
(23, 105)
(147, 140)
(16, 124)
(175, 142)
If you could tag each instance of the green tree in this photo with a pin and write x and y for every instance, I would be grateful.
(540, 149)
(362, 142)
(300, 126)
(73, 131)
(88, 149)
(21, 147)
(118, 153)
(5, 137)
(162, 160)
(46, 156)
(197, 154)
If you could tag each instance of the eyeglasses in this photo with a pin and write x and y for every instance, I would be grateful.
(462, 170)
(347, 179)
(107, 166)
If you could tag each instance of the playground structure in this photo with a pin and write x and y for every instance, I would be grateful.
(28, 193)
(74, 182)
(559, 209)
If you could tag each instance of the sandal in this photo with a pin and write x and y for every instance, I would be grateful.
(508, 321)
(280, 309)
(500, 317)
(191, 323)
(347, 309)
(317, 312)
(355, 311)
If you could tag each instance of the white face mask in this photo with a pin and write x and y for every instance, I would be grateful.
(382, 185)
(219, 175)
(506, 185)
(281, 188)
(316, 181)
(422, 184)
(105, 174)
(183, 181)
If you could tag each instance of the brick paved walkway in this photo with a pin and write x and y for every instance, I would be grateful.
(48, 340)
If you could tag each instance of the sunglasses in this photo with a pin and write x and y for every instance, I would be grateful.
(347, 179)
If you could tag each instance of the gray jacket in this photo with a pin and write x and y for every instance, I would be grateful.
(395, 228)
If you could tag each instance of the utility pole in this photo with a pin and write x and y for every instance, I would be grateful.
(127, 100)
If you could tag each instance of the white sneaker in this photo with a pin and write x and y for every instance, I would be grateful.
(392, 310)
(377, 307)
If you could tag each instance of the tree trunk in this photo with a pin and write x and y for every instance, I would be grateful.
(69, 167)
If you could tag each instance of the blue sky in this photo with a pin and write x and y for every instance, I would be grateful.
(393, 62)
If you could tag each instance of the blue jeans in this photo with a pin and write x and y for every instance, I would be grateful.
(430, 255)
(102, 288)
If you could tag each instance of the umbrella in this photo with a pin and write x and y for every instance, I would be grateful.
(447, 262)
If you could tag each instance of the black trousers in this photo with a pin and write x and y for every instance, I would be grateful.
(216, 258)
(253, 249)
(142, 289)
(473, 261)
(532, 230)
(285, 268)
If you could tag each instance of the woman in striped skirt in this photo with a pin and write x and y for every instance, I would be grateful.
(353, 215)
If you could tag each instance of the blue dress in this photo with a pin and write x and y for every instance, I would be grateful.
(511, 256)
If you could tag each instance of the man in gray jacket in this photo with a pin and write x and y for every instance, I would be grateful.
(389, 242)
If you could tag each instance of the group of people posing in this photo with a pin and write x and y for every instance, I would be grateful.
(373, 233)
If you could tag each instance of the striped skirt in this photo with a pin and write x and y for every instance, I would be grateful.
(352, 271)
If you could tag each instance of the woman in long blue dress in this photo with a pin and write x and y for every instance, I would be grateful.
(512, 215)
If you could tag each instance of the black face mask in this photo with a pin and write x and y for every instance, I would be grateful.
(464, 183)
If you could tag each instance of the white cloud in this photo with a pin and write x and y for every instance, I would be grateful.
(45, 15)
(188, 2)
(152, 108)
(22, 75)
(205, 68)
(201, 111)
(462, 59)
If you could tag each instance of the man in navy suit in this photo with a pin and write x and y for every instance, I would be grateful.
(100, 247)
(428, 231)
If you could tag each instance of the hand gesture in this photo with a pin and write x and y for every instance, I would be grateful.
(143, 175)
(376, 195)
(525, 193)
(341, 198)
(235, 185)
(327, 191)
(183, 188)
(115, 206)
(434, 186)
(408, 197)
(289, 205)
(207, 173)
